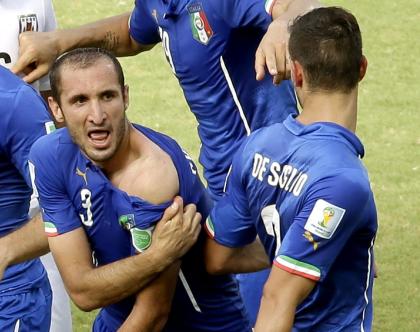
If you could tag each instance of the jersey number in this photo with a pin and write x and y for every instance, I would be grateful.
(6, 57)
(86, 217)
(165, 44)
(271, 219)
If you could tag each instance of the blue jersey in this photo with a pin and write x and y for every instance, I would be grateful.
(305, 192)
(75, 193)
(210, 45)
(23, 119)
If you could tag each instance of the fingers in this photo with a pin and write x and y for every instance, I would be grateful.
(36, 74)
(197, 225)
(259, 64)
(174, 211)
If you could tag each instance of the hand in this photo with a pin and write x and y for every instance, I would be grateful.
(177, 231)
(37, 53)
(272, 53)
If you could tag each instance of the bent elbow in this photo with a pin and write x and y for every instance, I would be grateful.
(215, 267)
(84, 302)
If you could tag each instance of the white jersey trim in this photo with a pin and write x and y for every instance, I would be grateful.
(189, 291)
(235, 96)
(367, 285)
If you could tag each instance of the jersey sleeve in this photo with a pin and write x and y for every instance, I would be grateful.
(242, 13)
(143, 28)
(230, 222)
(58, 212)
(28, 121)
(333, 210)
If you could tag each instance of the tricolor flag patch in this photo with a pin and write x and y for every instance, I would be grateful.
(200, 26)
(269, 5)
(50, 229)
(296, 267)
(209, 227)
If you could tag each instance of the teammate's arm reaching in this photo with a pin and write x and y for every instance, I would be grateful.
(40, 49)
(271, 52)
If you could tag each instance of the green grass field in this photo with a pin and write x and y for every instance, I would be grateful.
(389, 125)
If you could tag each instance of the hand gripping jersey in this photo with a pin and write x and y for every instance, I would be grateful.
(20, 16)
(74, 193)
(210, 46)
(306, 194)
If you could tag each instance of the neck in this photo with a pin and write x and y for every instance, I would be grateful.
(327, 106)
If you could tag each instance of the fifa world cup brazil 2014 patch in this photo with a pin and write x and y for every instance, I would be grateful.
(200, 26)
(324, 219)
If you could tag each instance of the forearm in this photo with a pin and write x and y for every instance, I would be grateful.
(111, 33)
(153, 303)
(222, 260)
(99, 287)
(288, 9)
(25, 243)
(274, 316)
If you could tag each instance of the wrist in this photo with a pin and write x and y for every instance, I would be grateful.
(158, 258)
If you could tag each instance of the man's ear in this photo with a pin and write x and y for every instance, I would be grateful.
(126, 97)
(363, 68)
(296, 73)
(56, 110)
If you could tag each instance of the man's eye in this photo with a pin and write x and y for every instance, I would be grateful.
(80, 100)
(108, 96)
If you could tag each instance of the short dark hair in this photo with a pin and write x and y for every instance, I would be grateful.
(328, 44)
(80, 58)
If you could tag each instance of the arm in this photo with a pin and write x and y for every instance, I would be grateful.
(153, 304)
(173, 236)
(271, 52)
(27, 242)
(283, 292)
(221, 259)
(40, 49)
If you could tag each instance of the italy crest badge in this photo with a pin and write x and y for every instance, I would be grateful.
(200, 26)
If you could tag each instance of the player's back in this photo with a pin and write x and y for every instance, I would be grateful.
(316, 216)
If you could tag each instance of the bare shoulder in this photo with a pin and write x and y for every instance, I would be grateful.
(151, 176)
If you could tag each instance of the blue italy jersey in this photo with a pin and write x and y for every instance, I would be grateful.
(23, 119)
(305, 192)
(75, 193)
(210, 45)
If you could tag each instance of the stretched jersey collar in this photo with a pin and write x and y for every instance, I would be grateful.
(174, 7)
(327, 130)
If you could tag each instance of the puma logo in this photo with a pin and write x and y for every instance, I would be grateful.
(82, 174)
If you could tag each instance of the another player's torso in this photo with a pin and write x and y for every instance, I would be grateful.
(215, 67)
(105, 211)
(279, 177)
(14, 189)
